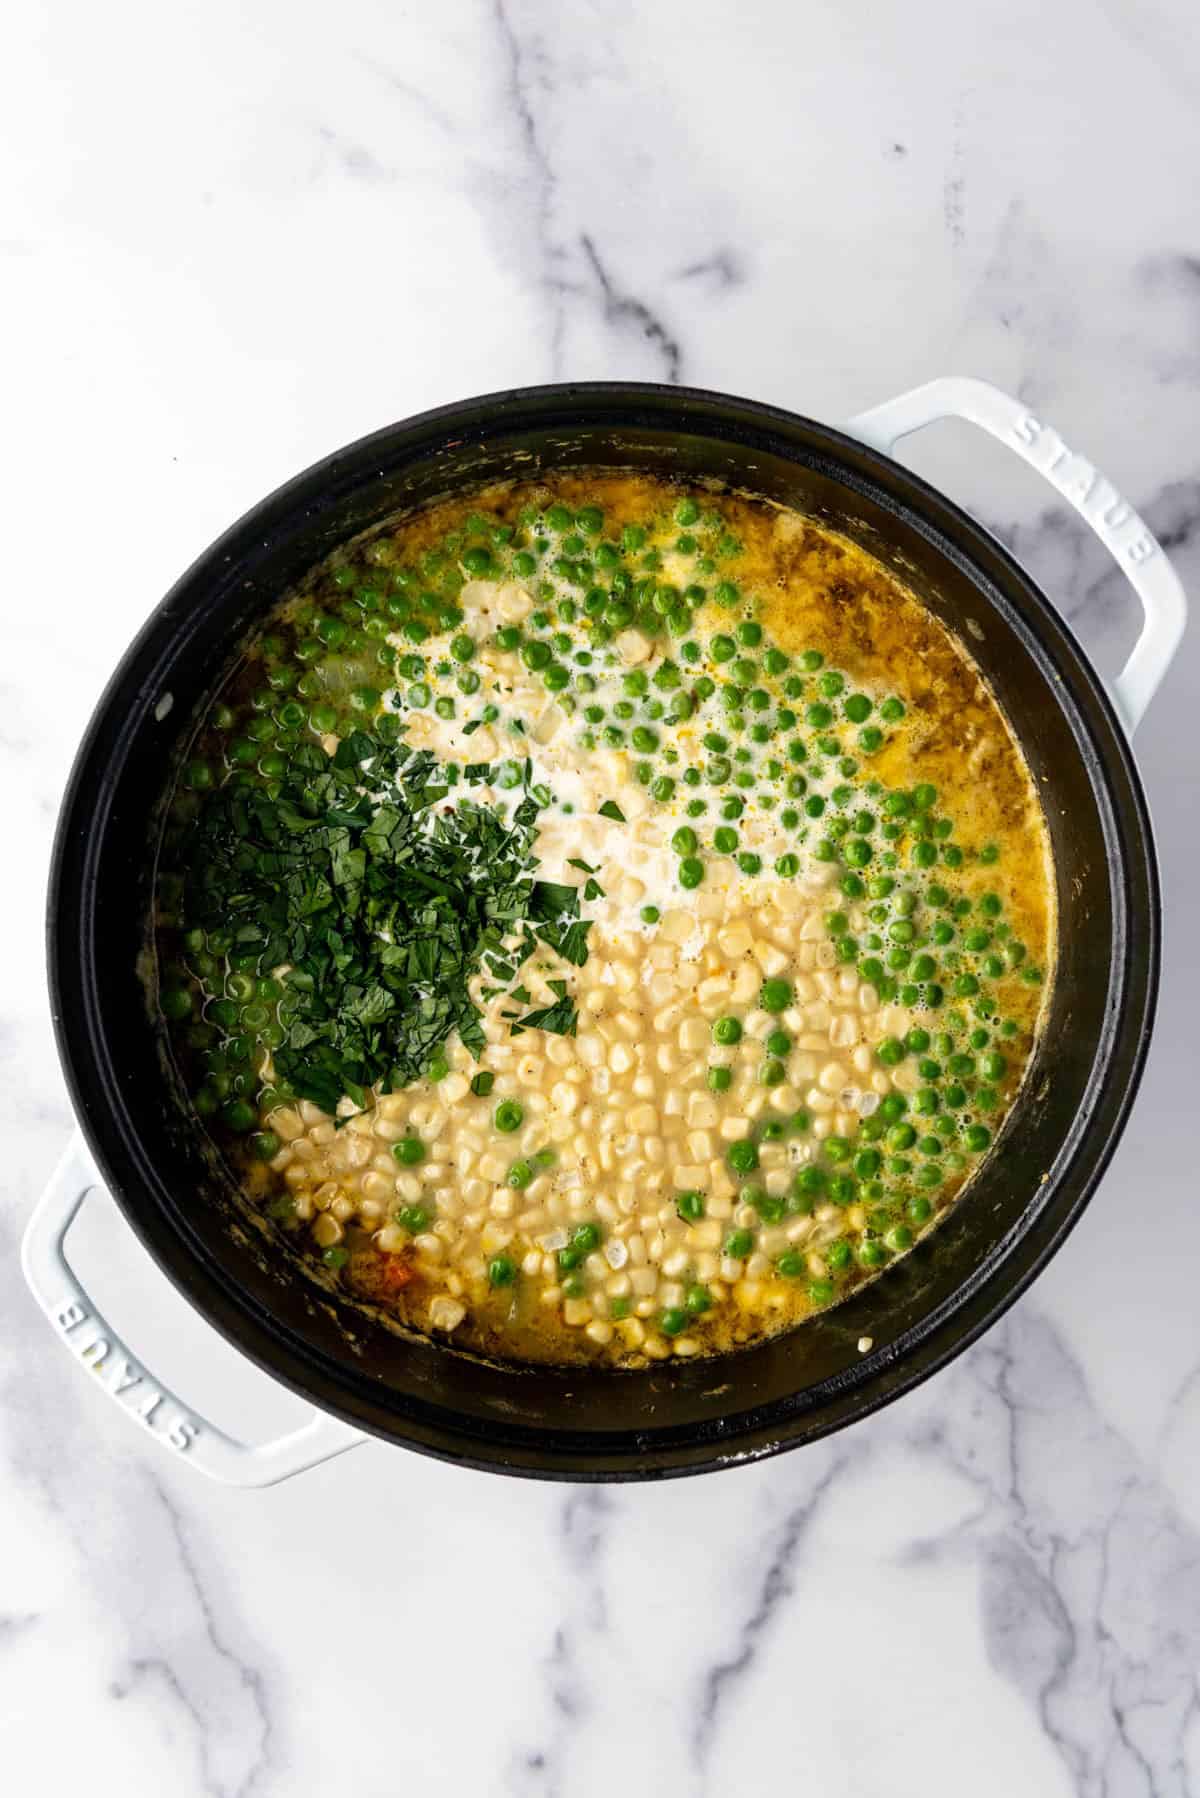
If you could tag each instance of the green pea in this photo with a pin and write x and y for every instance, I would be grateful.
(739, 1244)
(175, 1003)
(743, 1156)
(977, 1138)
(673, 1320)
(775, 995)
(508, 1116)
(691, 871)
(690, 1206)
(838, 1255)
(719, 1080)
(224, 1012)
(198, 775)
(331, 631)
(502, 1271)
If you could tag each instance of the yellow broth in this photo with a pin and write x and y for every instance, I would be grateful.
(805, 936)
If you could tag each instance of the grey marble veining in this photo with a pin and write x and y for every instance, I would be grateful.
(272, 229)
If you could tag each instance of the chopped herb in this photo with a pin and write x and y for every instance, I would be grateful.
(552, 899)
(381, 908)
(570, 943)
(610, 809)
(560, 1018)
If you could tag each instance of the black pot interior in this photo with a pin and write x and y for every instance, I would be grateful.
(580, 1423)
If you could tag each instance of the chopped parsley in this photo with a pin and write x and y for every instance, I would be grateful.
(561, 1018)
(381, 902)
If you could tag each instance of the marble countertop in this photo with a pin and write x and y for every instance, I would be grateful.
(241, 235)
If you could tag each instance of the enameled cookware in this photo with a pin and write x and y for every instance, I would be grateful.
(681, 1417)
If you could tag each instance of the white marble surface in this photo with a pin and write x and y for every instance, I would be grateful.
(236, 235)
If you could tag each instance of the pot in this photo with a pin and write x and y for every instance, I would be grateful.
(585, 1424)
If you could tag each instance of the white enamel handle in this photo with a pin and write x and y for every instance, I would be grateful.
(1128, 540)
(125, 1379)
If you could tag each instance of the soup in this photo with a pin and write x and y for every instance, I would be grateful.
(603, 920)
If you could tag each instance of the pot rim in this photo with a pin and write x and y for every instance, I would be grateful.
(885, 1373)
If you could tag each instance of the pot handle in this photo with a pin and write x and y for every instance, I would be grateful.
(125, 1379)
(1128, 540)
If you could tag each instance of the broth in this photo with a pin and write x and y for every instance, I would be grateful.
(604, 919)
